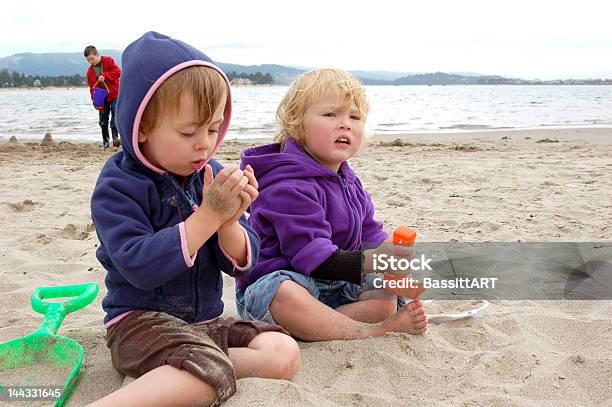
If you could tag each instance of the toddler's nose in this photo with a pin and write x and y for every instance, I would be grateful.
(345, 123)
(203, 143)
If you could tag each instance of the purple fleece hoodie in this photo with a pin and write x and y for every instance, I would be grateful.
(140, 210)
(305, 211)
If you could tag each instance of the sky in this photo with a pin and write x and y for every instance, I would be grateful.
(514, 38)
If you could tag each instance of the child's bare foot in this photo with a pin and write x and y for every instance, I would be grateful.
(411, 318)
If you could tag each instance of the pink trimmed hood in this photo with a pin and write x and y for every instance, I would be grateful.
(147, 63)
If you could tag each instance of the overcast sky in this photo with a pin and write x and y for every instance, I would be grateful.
(526, 39)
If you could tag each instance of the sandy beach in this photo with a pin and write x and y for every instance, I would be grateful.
(507, 186)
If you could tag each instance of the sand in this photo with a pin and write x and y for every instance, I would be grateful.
(532, 185)
(434, 307)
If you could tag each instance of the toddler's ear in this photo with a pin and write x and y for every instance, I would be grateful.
(142, 135)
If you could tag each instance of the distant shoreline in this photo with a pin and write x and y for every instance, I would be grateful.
(596, 135)
(45, 88)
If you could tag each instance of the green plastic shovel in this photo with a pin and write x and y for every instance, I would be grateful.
(43, 347)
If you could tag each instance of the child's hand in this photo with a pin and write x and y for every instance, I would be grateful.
(247, 195)
(388, 250)
(225, 193)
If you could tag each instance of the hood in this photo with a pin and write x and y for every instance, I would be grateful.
(147, 63)
(271, 165)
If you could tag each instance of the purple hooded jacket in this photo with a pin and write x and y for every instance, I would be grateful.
(305, 211)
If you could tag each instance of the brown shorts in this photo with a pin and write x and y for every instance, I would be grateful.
(145, 340)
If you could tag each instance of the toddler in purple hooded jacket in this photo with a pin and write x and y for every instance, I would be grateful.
(313, 217)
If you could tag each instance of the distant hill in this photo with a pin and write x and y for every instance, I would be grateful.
(381, 75)
(282, 75)
(58, 64)
(441, 78)
(467, 73)
(51, 64)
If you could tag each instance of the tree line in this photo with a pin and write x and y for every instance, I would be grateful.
(257, 78)
(13, 79)
(19, 80)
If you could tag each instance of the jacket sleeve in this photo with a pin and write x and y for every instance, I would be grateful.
(91, 80)
(112, 72)
(144, 257)
(228, 264)
(298, 220)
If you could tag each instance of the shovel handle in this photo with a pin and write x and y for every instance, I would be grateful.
(84, 294)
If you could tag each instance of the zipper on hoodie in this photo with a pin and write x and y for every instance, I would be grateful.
(185, 188)
(352, 210)
(345, 184)
(187, 184)
(343, 180)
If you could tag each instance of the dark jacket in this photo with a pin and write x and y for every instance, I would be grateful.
(139, 210)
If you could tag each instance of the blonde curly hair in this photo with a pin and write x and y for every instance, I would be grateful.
(306, 89)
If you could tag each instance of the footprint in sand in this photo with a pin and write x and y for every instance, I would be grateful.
(485, 226)
(24, 206)
(380, 177)
(43, 239)
(396, 203)
(426, 181)
(77, 232)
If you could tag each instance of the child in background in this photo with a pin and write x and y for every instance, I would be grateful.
(104, 71)
(169, 219)
(312, 216)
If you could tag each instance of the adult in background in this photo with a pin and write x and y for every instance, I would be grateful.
(103, 70)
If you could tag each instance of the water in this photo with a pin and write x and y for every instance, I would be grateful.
(67, 113)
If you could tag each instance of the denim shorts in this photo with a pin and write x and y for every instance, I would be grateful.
(254, 301)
